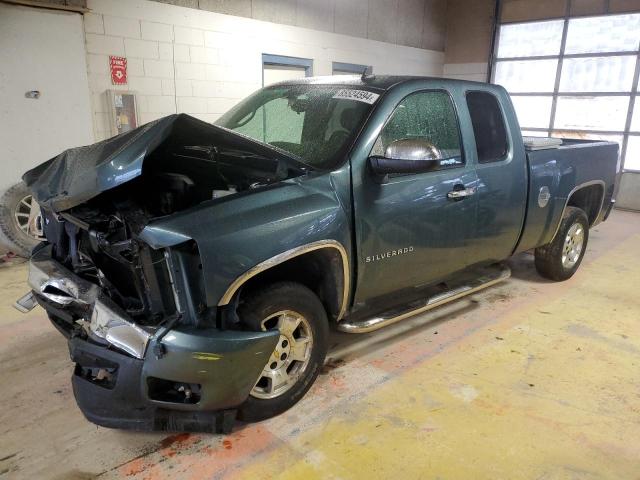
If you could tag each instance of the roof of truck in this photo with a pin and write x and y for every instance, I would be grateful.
(382, 82)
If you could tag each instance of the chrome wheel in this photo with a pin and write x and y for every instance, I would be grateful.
(573, 244)
(291, 356)
(28, 218)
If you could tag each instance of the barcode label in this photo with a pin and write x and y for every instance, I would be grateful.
(358, 95)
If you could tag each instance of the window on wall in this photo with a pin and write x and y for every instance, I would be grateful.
(341, 68)
(575, 78)
(278, 68)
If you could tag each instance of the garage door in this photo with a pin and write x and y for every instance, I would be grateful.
(42, 52)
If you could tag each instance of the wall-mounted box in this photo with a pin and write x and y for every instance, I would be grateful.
(124, 111)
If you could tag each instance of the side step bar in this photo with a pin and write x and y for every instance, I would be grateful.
(486, 280)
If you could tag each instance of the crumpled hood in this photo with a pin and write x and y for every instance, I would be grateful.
(79, 174)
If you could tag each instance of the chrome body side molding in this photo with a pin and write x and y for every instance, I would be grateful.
(574, 190)
(289, 254)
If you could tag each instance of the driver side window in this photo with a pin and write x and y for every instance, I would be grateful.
(429, 119)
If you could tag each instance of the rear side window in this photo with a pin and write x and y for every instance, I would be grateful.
(488, 127)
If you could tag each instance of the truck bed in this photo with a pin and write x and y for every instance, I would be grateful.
(563, 170)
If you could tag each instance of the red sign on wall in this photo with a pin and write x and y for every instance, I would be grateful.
(118, 67)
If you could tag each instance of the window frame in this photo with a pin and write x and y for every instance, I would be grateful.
(463, 156)
(353, 68)
(285, 61)
(507, 131)
(633, 94)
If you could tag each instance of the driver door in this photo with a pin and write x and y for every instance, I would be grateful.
(411, 229)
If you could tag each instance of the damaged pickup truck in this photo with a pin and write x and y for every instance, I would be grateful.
(196, 269)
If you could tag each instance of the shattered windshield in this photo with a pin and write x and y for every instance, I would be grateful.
(315, 123)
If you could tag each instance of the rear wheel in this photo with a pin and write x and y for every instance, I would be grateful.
(297, 313)
(560, 259)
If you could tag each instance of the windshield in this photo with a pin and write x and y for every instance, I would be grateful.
(315, 123)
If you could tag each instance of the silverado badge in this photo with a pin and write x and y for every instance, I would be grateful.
(389, 254)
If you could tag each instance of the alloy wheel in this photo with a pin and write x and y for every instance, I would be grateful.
(28, 217)
(573, 244)
(290, 357)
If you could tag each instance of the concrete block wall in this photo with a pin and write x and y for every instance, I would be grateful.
(414, 23)
(198, 62)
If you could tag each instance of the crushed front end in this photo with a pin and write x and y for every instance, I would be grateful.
(150, 352)
(147, 355)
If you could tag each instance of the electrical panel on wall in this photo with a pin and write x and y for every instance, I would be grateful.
(124, 111)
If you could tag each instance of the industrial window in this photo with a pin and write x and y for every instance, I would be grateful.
(575, 77)
(428, 116)
(488, 127)
(341, 68)
(278, 68)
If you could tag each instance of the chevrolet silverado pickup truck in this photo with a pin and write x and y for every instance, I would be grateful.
(197, 269)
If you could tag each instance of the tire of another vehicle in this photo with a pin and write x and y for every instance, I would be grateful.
(18, 241)
(560, 259)
(266, 304)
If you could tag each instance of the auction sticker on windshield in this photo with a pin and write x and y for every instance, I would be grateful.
(358, 95)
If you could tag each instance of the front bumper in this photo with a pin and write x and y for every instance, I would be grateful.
(195, 385)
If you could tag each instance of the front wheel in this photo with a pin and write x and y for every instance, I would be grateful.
(560, 259)
(20, 220)
(297, 313)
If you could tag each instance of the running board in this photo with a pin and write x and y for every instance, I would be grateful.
(486, 280)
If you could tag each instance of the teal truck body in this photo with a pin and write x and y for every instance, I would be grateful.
(373, 193)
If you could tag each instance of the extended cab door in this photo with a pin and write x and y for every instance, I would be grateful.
(413, 229)
(502, 174)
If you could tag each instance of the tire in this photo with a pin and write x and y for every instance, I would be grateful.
(560, 259)
(13, 205)
(264, 311)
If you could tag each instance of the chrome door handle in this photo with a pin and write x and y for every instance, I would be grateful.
(459, 194)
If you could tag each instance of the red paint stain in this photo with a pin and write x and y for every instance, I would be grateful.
(178, 438)
(337, 382)
(178, 444)
(245, 446)
(134, 467)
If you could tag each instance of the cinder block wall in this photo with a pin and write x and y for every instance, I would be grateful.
(413, 23)
(199, 62)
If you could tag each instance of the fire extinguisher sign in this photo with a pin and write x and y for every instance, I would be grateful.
(118, 67)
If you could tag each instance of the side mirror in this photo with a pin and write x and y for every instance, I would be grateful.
(409, 155)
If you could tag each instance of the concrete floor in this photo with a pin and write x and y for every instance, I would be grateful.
(528, 379)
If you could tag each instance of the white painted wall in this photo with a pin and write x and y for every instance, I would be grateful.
(41, 50)
(204, 62)
(476, 72)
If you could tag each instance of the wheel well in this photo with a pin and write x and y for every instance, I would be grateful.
(589, 199)
(320, 270)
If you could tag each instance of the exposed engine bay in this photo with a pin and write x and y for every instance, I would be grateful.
(184, 163)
